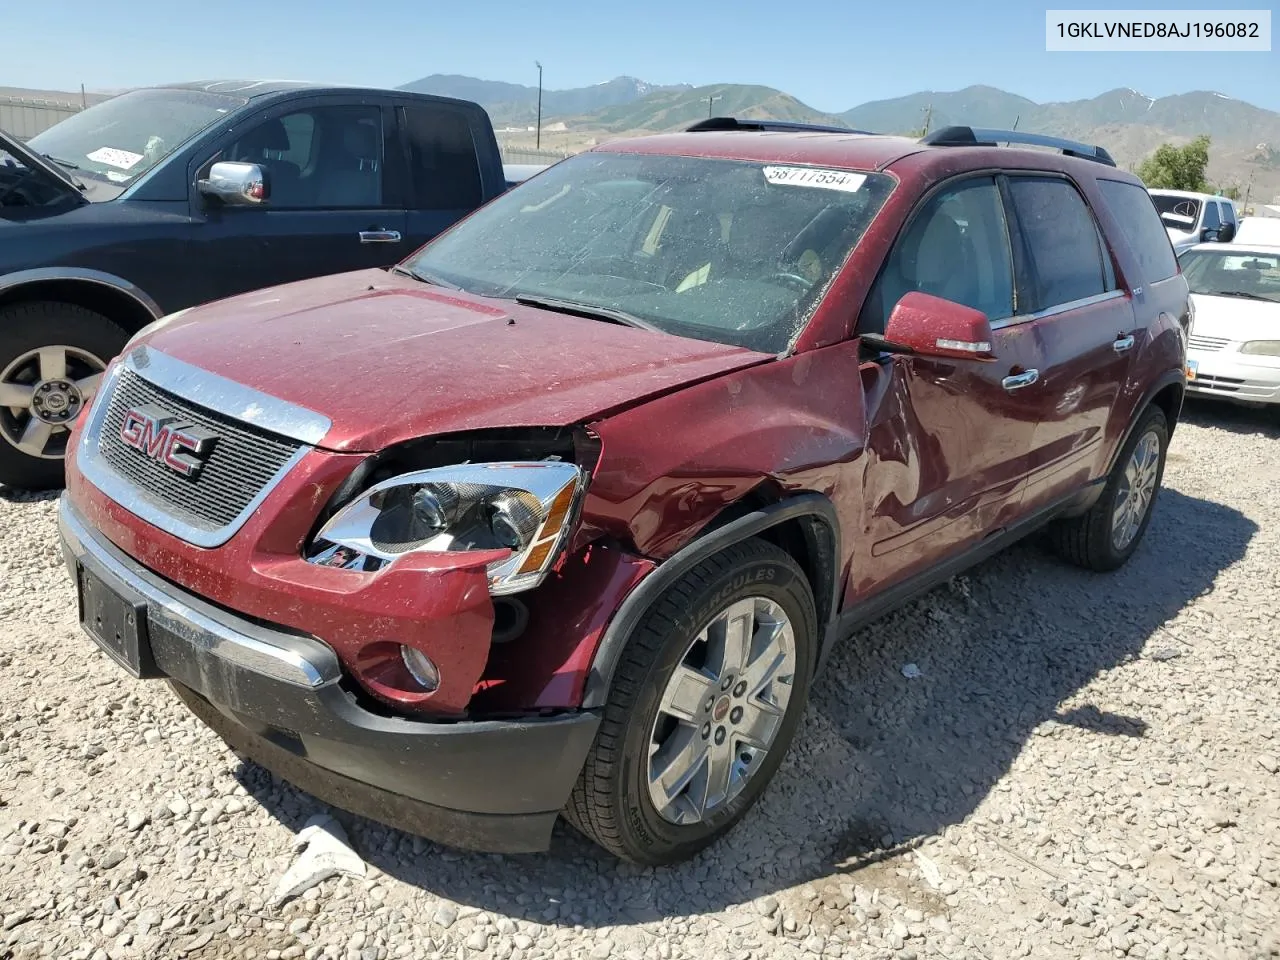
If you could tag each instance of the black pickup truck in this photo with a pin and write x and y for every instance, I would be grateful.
(166, 197)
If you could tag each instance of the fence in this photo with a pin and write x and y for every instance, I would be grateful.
(24, 118)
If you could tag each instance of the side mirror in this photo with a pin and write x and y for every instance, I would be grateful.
(238, 184)
(929, 326)
(1209, 235)
(1227, 233)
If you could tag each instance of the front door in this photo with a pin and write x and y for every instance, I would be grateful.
(330, 207)
(948, 441)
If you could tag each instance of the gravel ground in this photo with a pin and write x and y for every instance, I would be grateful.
(1081, 767)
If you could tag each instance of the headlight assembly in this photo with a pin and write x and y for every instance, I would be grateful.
(525, 508)
(1262, 348)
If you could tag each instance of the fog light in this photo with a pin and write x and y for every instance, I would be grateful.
(420, 668)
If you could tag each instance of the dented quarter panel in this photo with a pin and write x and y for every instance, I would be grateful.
(796, 423)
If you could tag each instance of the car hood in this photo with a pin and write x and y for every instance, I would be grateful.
(1235, 318)
(387, 359)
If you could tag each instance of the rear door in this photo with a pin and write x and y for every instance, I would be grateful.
(947, 440)
(1084, 325)
(331, 207)
(441, 151)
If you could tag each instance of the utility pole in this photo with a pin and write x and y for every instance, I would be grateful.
(538, 137)
(710, 101)
(83, 103)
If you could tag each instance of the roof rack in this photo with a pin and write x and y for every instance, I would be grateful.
(984, 137)
(771, 126)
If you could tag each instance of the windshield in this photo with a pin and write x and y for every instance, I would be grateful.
(120, 139)
(1180, 213)
(1236, 273)
(722, 250)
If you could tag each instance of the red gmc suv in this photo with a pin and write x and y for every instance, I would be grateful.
(565, 512)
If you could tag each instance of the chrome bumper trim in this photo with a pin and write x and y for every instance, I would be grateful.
(180, 618)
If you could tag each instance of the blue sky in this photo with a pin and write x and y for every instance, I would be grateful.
(831, 55)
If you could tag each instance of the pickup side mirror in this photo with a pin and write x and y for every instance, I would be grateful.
(236, 184)
(1210, 234)
(1227, 233)
(929, 326)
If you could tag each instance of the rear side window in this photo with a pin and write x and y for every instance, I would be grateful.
(1142, 229)
(442, 158)
(1061, 239)
(1228, 213)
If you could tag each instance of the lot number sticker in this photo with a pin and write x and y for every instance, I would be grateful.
(813, 177)
(114, 158)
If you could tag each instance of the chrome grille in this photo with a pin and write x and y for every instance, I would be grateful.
(243, 460)
(1208, 344)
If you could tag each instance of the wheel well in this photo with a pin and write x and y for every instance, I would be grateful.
(126, 311)
(1170, 401)
(809, 540)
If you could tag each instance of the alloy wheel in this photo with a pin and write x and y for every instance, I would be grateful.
(1136, 491)
(42, 392)
(721, 710)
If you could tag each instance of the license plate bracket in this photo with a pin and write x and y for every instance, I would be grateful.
(118, 623)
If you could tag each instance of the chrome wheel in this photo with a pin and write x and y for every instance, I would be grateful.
(1136, 491)
(721, 710)
(41, 392)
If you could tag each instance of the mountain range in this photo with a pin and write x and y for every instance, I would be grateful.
(1245, 138)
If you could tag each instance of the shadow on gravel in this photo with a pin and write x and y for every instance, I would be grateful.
(880, 761)
(13, 495)
(1252, 421)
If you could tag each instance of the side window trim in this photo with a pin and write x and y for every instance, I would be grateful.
(1060, 308)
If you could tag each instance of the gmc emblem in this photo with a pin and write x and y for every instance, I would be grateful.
(158, 434)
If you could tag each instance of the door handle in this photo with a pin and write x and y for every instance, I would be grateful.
(379, 236)
(1122, 344)
(1019, 380)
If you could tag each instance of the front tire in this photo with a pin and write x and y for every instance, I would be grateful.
(52, 356)
(1107, 535)
(703, 707)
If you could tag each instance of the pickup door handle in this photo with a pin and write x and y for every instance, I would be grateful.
(379, 236)
(1122, 344)
(1019, 380)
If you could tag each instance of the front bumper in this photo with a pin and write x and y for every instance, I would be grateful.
(1227, 375)
(279, 697)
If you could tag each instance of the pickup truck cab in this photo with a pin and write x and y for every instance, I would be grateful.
(166, 197)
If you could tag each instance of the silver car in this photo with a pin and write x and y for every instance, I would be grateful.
(1234, 350)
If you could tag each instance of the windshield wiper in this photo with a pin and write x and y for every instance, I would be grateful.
(422, 277)
(589, 310)
(67, 165)
(1239, 293)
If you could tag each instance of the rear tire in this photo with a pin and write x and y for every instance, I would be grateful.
(49, 355)
(690, 722)
(1107, 535)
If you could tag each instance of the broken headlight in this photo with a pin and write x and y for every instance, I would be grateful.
(525, 508)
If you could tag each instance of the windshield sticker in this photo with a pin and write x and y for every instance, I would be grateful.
(813, 177)
(114, 158)
(116, 176)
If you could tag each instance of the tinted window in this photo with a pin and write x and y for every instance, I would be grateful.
(1229, 213)
(723, 250)
(1211, 219)
(442, 158)
(1178, 213)
(956, 247)
(1061, 241)
(1143, 232)
(320, 158)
